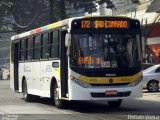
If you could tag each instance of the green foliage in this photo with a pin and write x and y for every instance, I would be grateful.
(30, 14)
(88, 5)
(6, 7)
(24, 15)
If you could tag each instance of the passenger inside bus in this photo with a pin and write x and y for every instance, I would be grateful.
(124, 50)
(108, 51)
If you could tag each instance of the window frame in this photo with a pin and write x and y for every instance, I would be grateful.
(45, 45)
(54, 44)
(38, 48)
(29, 48)
(21, 50)
(157, 70)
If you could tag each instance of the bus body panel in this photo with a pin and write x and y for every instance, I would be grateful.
(38, 76)
(36, 82)
(11, 76)
(21, 75)
(47, 73)
(77, 92)
(28, 75)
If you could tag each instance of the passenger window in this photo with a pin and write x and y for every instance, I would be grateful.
(30, 42)
(54, 48)
(45, 39)
(45, 46)
(21, 50)
(157, 70)
(30, 49)
(37, 45)
(25, 48)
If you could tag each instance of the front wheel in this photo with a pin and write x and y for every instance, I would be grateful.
(26, 96)
(59, 103)
(115, 104)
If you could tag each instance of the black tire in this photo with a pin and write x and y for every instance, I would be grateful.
(153, 86)
(27, 97)
(115, 104)
(59, 103)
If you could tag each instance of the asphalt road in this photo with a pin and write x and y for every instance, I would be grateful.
(13, 107)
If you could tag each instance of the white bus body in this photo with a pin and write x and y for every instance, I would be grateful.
(40, 74)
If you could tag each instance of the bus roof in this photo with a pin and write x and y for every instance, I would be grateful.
(41, 29)
(54, 25)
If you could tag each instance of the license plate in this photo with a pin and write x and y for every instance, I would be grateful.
(113, 92)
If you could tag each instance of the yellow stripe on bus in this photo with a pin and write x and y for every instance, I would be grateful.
(34, 73)
(105, 80)
(54, 25)
(58, 71)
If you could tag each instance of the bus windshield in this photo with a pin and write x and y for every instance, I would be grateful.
(105, 50)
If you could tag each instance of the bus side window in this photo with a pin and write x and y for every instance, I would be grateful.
(21, 50)
(26, 47)
(45, 46)
(37, 46)
(54, 41)
(23, 47)
(30, 48)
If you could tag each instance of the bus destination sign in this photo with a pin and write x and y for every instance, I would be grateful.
(104, 24)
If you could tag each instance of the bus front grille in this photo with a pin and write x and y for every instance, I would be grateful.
(119, 94)
(115, 84)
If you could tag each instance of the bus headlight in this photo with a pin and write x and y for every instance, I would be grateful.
(135, 83)
(80, 83)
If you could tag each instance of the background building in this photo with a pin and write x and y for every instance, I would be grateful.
(147, 11)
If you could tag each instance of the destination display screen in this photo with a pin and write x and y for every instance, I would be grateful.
(104, 23)
(86, 24)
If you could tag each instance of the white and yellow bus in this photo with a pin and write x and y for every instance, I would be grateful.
(84, 59)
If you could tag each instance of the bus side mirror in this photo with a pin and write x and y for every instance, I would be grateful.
(67, 40)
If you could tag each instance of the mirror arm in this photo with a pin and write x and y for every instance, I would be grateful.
(68, 39)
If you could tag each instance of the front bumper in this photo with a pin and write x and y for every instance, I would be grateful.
(77, 92)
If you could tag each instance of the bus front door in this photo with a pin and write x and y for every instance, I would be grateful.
(16, 83)
(64, 66)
